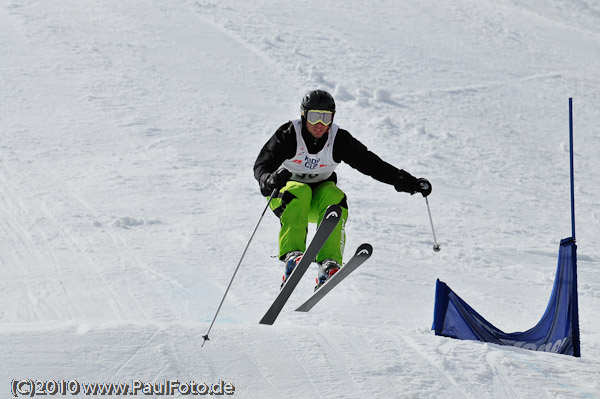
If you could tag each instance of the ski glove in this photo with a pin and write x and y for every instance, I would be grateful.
(271, 181)
(406, 182)
(410, 184)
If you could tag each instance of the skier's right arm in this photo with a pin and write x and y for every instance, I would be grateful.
(281, 146)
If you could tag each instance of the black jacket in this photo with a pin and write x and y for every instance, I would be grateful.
(282, 146)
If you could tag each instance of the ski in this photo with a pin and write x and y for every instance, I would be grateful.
(330, 220)
(362, 254)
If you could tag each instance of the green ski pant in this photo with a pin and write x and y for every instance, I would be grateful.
(298, 204)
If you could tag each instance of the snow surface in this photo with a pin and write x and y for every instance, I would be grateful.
(129, 130)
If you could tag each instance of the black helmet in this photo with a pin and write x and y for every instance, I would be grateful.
(317, 100)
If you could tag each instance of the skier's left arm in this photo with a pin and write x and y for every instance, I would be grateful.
(357, 155)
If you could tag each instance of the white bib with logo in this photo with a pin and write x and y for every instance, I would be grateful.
(311, 168)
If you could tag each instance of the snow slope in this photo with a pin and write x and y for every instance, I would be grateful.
(129, 131)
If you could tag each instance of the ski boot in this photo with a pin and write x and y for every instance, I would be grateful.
(291, 260)
(327, 268)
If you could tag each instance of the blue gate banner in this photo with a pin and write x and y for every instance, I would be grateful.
(557, 331)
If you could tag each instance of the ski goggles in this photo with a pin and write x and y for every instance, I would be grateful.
(315, 116)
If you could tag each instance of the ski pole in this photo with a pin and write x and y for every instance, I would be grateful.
(436, 246)
(238, 266)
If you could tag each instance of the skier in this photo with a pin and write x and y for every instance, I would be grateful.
(299, 160)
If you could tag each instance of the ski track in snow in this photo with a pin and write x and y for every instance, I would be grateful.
(126, 192)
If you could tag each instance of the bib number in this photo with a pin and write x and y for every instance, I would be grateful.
(309, 176)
